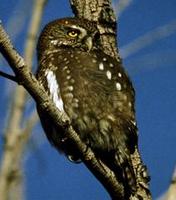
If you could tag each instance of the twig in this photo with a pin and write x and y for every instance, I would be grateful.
(29, 125)
(148, 38)
(121, 5)
(8, 76)
(14, 143)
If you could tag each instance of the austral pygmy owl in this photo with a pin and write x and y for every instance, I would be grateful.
(93, 89)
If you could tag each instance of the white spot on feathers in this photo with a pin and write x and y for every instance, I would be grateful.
(109, 75)
(101, 66)
(118, 86)
(119, 74)
(54, 89)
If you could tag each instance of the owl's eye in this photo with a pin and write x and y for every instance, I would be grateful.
(72, 33)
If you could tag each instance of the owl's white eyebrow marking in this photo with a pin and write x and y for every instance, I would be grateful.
(101, 66)
(118, 86)
(109, 75)
(82, 30)
(54, 89)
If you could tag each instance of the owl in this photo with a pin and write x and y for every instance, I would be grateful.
(93, 89)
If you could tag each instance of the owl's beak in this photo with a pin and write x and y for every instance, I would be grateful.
(89, 43)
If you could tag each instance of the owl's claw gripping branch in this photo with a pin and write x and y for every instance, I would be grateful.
(29, 82)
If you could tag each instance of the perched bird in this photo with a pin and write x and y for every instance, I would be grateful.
(93, 89)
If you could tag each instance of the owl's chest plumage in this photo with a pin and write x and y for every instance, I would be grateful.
(90, 87)
(85, 80)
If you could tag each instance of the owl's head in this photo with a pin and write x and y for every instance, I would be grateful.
(68, 32)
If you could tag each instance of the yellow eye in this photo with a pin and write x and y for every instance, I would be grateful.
(72, 33)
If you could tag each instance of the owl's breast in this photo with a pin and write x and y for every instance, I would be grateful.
(89, 80)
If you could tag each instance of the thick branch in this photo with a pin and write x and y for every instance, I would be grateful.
(102, 13)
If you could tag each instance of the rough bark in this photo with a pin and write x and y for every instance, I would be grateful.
(101, 12)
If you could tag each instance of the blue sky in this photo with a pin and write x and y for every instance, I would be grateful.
(48, 175)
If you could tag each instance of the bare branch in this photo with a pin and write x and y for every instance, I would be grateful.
(14, 142)
(33, 30)
(29, 125)
(101, 12)
(8, 76)
(147, 39)
(121, 5)
(18, 18)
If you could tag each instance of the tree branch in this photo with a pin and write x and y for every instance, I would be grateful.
(102, 13)
(15, 139)
(148, 38)
(121, 5)
(30, 83)
(8, 76)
